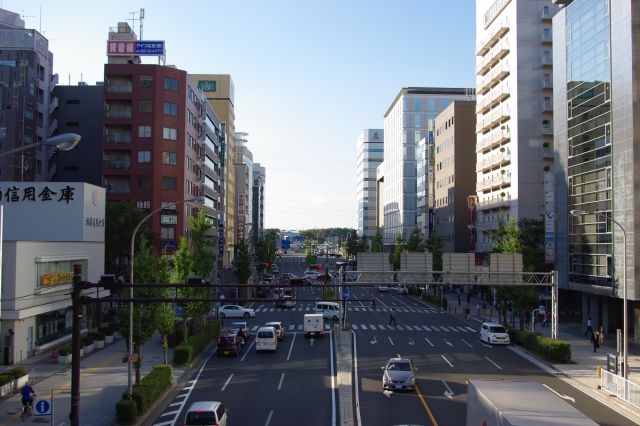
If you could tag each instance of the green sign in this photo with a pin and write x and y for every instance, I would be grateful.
(207, 85)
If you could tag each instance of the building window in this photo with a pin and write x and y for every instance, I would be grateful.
(170, 109)
(170, 84)
(169, 133)
(144, 131)
(146, 81)
(143, 204)
(144, 182)
(146, 106)
(169, 158)
(144, 156)
(167, 233)
(169, 182)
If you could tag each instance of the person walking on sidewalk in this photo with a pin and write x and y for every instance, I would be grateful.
(594, 340)
(392, 317)
(545, 319)
(589, 328)
(601, 335)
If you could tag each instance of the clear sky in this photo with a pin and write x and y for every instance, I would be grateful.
(309, 75)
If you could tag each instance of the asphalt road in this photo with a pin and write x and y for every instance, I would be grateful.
(294, 386)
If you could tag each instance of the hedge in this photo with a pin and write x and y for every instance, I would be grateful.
(554, 350)
(182, 354)
(431, 298)
(5, 378)
(152, 387)
(64, 351)
(107, 330)
(126, 410)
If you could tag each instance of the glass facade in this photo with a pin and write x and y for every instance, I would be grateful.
(589, 141)
(370, 149)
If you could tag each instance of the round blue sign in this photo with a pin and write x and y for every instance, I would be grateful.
(41, 407)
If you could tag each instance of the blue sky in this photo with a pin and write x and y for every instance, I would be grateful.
(309, 75)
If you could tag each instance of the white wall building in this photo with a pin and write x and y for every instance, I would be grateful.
(48, 228)
(369, 155)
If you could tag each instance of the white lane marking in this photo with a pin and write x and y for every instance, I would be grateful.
(170, 413)
(466, 343)
(226, 383)
(454, 329)
(246, 352)
(446, 360)
(268, 418)
(497, 366)
(175, 403)
(374, 340)
(448, 393)
(401, 301)
(355, 372)
(411, 342)
(333, 383)
(291, 327)
(447, 342)
(281, 379)
(291, 347)
(428, 341)
(390, 341)
(387, 393)
(561, 396)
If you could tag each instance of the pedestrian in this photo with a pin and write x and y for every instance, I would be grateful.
(392, 317)
(459, 299)
(594, 340)
(466, 313)
(589, 327)
(373, 303)
(601, 335)
(545, 319)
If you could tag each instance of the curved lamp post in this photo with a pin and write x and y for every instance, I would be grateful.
(63, 142)
(133, 239)
(624, 286)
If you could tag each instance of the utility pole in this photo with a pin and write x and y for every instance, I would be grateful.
(74, 415)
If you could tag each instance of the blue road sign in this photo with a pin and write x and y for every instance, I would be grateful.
(346, 293)
(42, 407)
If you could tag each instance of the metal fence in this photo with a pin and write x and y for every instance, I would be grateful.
(622, 388)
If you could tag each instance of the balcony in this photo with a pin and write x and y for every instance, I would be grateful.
(53, 126)
(53, 82)
(118, 138)
(546, 37)
(498, 159)
(53, 105)
(547, 83)
(493, 139)
(497, 73)
(547, 154)
(547, 105)
(493, 98)
(120, 88)
(494, 182)
(118, 113)
(547, 129)
(493, 119)
(545, 14)
(546, 60)
(501, 28)
(495, 202)
(116, 164)
(496, 53)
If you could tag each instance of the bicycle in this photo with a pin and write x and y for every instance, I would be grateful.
(27, 410)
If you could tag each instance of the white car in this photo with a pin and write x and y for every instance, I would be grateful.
(382, 288)
(401, 289)
(235, 311)
(494, 333)
(310, 275)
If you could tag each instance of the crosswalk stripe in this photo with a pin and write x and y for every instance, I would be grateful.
(272, 309)
(426, 328)
(462, 329)
(327, 327)
(362, 326)
(300, 327)
(354, 326)
(471, 329)
(291, 327)
(373, 327)
(399, 327)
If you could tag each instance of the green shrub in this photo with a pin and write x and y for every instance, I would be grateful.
(431, 299)
(200, 340)
(152, 387)
(96, 335)
(126, 411)
(17, 372)
(182, 354)
(86, 340)
(553, 350)
(64, 351)
(5, 378)
(107, 330)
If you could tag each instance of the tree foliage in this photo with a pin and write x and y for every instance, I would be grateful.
(435, 246)
(396, 253)
(415, 241)
(242, 267)
(377, 245)
(121, 218)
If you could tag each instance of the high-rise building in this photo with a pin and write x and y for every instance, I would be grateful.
(408, 196)
(219, 92)
(243, 162)
(259, 182)
(596, 123)
(26, 104)
(454, 174)
(515, 111)
(369, 155)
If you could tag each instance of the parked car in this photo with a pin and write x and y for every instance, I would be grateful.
(236, 311)
(399, 374)
(243, 327)
(279, 328)
(206, 413)
(229, 342)
(492, 332)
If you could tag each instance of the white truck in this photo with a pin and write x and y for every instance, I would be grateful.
(313, 325)
(519, 403)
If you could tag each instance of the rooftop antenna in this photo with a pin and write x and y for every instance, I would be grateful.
(133, 19)
(141, 19)
(22, 15)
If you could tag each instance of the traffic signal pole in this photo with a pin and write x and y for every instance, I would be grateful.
(74, 415)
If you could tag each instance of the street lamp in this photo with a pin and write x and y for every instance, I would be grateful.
(133, 239)
(63, 142)
(624, 285)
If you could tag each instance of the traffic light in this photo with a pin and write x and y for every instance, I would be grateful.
(320, 266)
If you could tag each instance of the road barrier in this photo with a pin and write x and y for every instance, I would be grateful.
(620, 387)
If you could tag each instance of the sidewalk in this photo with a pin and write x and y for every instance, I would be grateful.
(103, 379)
(583, 372)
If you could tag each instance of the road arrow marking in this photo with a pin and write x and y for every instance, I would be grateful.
(390, 341)
(448, 393)
(311, 342)
(446, 360)
(561, 396)
(411, 342)
(373, 341)
(447, 342)
(428, 341)
(387, 393)
(466, 343)
(497, 366)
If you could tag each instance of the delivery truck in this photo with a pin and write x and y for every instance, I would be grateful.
(313, 325)
(519, 403)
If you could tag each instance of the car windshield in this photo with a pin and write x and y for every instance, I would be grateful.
(201, 418)
(276, 326)
(239, 325)
(399, 366)
(497, 329)
(265, 335)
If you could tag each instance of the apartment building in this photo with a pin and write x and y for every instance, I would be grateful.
(454, 174)
(595, 55)
(259, 182)
(514, 69)
(369, 155)
(243, 162)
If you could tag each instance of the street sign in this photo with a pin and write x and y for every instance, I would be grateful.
(42, 407)
(346, 293)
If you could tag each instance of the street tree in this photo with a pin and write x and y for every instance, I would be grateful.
(165, 312)
(415, 241)
(121, 218)
(242, 266)
(203, 261)
(377, 245)
(182, 267)
(396, 253)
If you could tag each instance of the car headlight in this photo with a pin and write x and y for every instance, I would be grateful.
(410, 381)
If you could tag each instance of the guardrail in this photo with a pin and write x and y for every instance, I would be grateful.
(620, 387)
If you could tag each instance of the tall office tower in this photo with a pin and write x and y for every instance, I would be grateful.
(596, 123)
(26, 104)
(370, 153)
(408, 195)
(243, 162)
(454, 174)
(515, 111)
(219, 91)
(154, 127)
(80, 110)
(259, 182)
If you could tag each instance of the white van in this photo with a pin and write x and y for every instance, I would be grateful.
(266, 339)
(329, 310)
